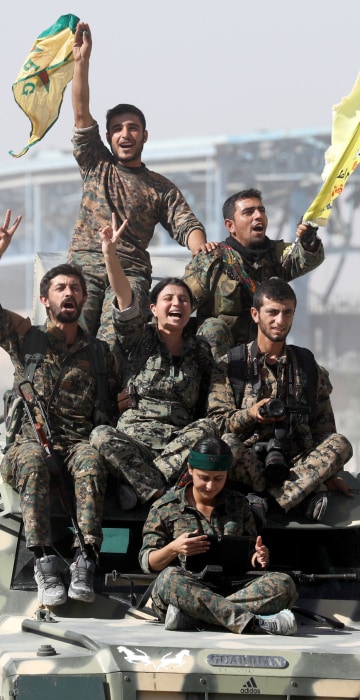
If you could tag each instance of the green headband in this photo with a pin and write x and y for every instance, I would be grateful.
(213, 463)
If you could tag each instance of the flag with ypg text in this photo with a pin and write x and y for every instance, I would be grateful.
(341, 158)
(40, 85)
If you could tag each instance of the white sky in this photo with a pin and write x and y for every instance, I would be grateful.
(195, 67)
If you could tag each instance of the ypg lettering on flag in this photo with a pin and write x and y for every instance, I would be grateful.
(40, 86)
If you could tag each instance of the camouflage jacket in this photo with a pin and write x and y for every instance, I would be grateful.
(302, 436)
(171, 516)
(65, 380)
(140, 195)
(167, 389)
(223, 282)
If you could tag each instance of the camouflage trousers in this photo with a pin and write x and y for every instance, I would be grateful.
(218, 335)
(96, 316)
(307, 472)
(24, 467)
(147, 469)
(265, 595)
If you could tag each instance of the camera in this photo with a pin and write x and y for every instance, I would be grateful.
(275, 408)
(276, 470)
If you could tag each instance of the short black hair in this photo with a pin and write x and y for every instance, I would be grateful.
(229, 204)
(275, 289)
(64, 269)
(123, 109)
(164, 283)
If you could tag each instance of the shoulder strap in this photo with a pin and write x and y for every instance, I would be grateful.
(237, 371)
(34, 347)
(307, 361)
(97, 355)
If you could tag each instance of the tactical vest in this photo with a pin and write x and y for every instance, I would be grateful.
(235, 285)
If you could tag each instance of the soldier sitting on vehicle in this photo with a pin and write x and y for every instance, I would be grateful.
(272, 406)
(168, 371)
(66, 380)
(223, 281)
(179, 528)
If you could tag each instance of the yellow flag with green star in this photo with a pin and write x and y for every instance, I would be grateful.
(40, 85)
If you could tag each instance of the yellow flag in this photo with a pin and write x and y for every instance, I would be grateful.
(40, 85)
(341, 158)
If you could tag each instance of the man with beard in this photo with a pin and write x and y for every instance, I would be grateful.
(66, 379)
(279, 420)
(224, 280)
(116, 181)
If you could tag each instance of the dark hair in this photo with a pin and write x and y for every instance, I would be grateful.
(211, 446)
(123, 109)
(164, 283)
(275, 289)
(229, 204)
(64, 269)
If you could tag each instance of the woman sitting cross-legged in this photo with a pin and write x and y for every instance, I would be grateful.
(178, 527)
(168, 377)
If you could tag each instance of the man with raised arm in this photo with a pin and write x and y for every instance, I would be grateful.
(116, 181)
(224, 280)
(66, 380)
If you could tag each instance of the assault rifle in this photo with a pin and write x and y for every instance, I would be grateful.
(36, 414)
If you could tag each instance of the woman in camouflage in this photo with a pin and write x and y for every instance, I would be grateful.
(167, 368)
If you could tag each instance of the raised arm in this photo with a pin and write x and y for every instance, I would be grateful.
(7, 232)
(80, 82)
(117, 278)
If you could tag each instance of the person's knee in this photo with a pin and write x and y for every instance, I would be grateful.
(100, 435)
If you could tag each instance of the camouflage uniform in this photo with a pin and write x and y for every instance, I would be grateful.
(151, 442)
(140, 195)
(170, 517)
(65, 383)
(223, 283)
(313, 448)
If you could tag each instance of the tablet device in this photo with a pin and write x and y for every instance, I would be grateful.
(229, 552)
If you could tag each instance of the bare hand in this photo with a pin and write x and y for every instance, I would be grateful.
(337, 483)
(6, 232)
(261, 555)
(110, 235)
(188, 546)
(206, 247)
(82, 42)
(256, 415)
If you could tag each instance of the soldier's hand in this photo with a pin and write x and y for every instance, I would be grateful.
(110, 235)
(82, 42)
(337, 483)
(207, 247)
(7, 232)
(189, 544)
(256, 414)
(261, 554)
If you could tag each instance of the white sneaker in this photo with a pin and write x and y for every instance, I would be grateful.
(51, 590)
(178, 621)
(82, 577)
(282, 622)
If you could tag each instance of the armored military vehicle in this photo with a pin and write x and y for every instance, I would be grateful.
(115, 649)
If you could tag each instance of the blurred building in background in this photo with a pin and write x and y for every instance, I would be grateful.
(286, 166)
